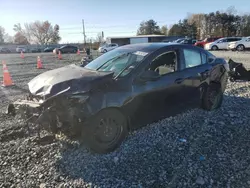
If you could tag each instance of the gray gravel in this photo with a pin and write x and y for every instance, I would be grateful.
(192, 149)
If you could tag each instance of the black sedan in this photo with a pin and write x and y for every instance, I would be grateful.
(48, 49)
(99, 99)
(67, 49)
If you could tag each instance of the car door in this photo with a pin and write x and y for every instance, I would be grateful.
(166, 91)
(65, 49)
(222, 44)
(197, 70)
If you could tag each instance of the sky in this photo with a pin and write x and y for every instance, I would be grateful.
(113, 17)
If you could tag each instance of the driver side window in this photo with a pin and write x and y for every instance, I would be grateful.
(164, 63)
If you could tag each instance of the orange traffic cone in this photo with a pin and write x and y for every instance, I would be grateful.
(22, 55)
(39, 63)
(78, 52)
(59, 55)
(7, 81)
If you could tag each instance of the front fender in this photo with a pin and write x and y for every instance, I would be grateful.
(100, 101)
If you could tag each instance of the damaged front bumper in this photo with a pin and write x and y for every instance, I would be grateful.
(63, 116)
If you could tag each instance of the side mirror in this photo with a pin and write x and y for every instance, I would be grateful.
(150, 75)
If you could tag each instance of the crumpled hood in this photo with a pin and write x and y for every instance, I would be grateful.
(72, 78)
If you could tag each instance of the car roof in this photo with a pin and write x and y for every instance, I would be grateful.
(148, 47)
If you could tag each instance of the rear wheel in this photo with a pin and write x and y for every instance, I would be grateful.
(212, 97)
(105, 131)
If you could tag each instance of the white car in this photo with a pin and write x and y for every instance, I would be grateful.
(20, 49)
(221, 44)
(240, 45)
(107, 47)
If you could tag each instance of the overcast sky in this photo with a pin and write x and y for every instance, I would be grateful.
(114, 17)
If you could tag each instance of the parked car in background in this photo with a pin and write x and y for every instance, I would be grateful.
(96, 102)
(240, 45)
(5, 50)
(188, 41)
(35, 50)
(20, 49)
(107, 47)
(48, 49)
(202, 43)
(179, 40)
(222, 43)
(66, 49)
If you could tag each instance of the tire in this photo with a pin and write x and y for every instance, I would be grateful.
(240, 47)
(232, 79)
(104, 51)
(212, 97)
(94, 134)
(214, 47)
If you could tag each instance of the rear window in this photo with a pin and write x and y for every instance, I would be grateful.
(233, 39)
(192, 58)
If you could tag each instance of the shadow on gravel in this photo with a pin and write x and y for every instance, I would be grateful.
(216, 152)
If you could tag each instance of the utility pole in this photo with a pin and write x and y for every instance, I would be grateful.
(102, 36)
(83, 31)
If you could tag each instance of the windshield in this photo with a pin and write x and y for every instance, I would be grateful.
(119, 61)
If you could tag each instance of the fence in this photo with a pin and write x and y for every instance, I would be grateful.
(29, 47)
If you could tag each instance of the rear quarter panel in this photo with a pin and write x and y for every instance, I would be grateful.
(219, 72)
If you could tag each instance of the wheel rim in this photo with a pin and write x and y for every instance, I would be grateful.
(240, 48)
(214, 99)
(214, 48)
(108, 130)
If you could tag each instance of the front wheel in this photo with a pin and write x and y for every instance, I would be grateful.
(212, 97)
(105, 131)
(214, 48)
(240, 47)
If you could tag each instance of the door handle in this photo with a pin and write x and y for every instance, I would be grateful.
(179, 80)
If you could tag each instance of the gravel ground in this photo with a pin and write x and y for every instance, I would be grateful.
(192, 149)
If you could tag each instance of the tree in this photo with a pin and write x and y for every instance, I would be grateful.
(149, 27)
(221, 23)
(2, 33)
(8, 39)
(183, 28)
(38, 32)
(164, 30)
(175, 30)
(99, 38)
(19, 38)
